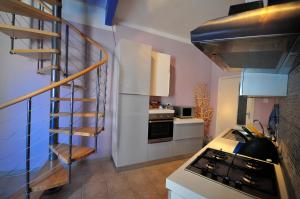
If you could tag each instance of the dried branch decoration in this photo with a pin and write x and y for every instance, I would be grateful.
(203, 109)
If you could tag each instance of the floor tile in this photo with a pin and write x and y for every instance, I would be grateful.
(98, 179)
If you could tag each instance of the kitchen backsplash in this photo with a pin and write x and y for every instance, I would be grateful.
(289, 132)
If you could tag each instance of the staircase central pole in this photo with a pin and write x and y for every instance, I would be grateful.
(55, 77)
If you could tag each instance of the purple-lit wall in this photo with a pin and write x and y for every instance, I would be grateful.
(18, 77)
(189, 66)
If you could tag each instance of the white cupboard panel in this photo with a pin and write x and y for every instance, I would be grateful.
(159, 150)
(132, 129)
(160, 74)
(263, 84)
(134, 60)
(187, 146)
(185, 131)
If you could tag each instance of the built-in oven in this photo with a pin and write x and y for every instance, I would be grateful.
(160, 128)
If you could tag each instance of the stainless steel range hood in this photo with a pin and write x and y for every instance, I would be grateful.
(266, 38)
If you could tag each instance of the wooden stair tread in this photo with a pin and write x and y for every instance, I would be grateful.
(35, 53)
(26, 33)
(46, 70)
(20, 8)
(68, 85)
(52, 175)
(81, 131)
(76, 114)
(75, 99)
(52, 2)
(78, 152)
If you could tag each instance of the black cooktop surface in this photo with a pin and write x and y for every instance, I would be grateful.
(255, 178)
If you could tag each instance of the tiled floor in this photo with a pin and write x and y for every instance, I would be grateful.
(99, 179)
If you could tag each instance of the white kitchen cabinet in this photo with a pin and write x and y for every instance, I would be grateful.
(188, 128)
(131, 138)
(160, 74)
(159, 150)
(131, 89)
(134, 60)
(187, 136)
(263, 84)
(187, 146)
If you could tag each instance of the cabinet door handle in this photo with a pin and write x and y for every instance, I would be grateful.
(159, 121)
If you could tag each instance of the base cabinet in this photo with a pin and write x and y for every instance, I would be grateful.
(160, 150)
(187, 130)
(186, 146)
(173, 195)
(130, 140)
(187, 139)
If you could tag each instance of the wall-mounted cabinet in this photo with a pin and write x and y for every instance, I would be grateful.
(160, 74)
(263, 84)
(134, 60)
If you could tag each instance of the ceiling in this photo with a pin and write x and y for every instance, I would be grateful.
(172, 17)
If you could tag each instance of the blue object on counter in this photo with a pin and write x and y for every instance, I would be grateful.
(238, 147)
(273, 119)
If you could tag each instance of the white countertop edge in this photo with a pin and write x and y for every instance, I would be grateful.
(188, 121)
(189, 185)
(183, 192)
(158, 111)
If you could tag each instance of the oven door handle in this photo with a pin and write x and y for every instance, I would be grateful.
(159, 121)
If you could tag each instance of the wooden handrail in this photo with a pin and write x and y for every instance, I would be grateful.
(68, 79)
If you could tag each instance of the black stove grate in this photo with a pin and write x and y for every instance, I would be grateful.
(253, 177)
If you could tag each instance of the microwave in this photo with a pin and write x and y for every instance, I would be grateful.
(184, 111)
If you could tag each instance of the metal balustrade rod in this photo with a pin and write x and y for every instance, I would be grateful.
(39, 40)
(71, 130)
(104, 97)
(28, 132)
(67, 52)
(97, 104)
(12, 39)
(42, 41)
(55, 77)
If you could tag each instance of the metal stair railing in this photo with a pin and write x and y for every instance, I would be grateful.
(71, 78)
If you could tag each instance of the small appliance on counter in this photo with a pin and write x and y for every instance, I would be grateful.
(154, 104)
(184, 111)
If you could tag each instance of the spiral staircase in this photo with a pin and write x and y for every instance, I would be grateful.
(57, 171)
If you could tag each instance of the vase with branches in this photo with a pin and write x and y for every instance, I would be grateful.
(203, 110)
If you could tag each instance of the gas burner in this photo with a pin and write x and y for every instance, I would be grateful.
(219, 155)
(226, 180)
(254, 165)
(211, 166)
(247, 175)
(250, 179)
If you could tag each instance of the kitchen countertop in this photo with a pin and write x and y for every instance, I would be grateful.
(187, 120)
(160, 110)
(191, 186)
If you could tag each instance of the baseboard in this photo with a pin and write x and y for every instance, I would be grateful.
(153, 162)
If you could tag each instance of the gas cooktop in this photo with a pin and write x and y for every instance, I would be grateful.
(255, 178)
